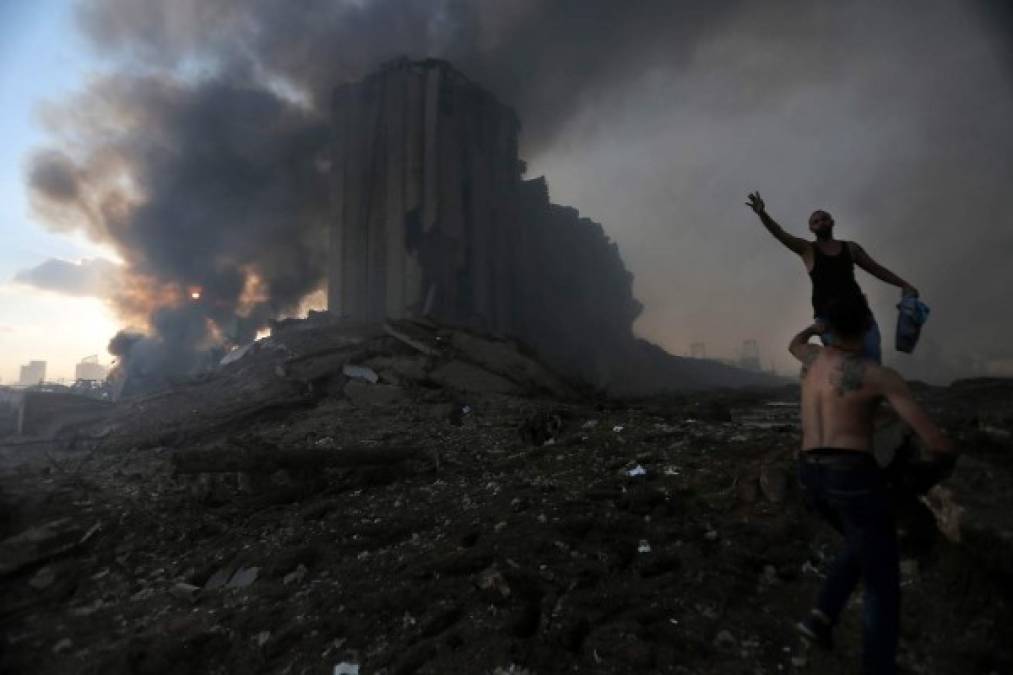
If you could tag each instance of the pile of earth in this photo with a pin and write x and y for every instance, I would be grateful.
(411, 498)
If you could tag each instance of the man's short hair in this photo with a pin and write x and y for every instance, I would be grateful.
(848, 317)
(818, 212)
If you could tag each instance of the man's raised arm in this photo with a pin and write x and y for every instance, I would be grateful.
(796, 244)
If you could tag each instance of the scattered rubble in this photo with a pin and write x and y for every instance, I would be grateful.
(248, 521)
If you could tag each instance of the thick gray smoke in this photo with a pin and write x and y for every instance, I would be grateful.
(201, 156)
(212, 193)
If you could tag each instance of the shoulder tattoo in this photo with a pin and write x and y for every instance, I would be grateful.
(849, 375)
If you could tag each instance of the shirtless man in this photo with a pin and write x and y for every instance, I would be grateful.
(841, 389)
(831, 266)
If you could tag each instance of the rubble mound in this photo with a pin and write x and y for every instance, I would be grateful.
(410, 498)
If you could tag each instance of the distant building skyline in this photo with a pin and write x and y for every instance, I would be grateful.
(32, 373)
(90, 369)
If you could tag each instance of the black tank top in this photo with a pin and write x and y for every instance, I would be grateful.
(833, 277)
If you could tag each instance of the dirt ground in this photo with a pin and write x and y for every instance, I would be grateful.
(516, 541)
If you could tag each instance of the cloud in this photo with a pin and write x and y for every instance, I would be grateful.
(95, 277)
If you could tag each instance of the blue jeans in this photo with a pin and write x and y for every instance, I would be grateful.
(854, 500)
(871, 348)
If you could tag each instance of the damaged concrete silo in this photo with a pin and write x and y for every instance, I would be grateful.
(425, 197)
(432, 217)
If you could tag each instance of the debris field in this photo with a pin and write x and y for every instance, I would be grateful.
(412, 498)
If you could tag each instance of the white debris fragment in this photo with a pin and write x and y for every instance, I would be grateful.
(618, 428)
(636, 471)
(644, 546)
(237, 353)
(360, 373)
(184, 591)
(346, 668)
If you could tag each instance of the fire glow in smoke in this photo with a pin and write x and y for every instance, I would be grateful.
(218, 175)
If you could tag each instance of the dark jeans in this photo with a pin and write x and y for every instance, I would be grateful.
(852, 497)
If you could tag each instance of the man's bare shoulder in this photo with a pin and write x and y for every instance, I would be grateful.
(882, 377)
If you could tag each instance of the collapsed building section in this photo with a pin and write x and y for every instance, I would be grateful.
(432, 217)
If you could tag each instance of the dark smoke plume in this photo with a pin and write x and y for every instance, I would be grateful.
(200, 157)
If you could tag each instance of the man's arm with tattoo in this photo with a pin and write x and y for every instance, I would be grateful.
(802, 350)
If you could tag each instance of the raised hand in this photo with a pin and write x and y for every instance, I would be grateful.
(756, 203)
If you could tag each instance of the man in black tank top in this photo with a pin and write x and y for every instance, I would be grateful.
(831, 266)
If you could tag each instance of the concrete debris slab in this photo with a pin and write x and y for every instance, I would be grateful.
(218, 579)
(504, 358)
(237, 353)
(465, 377)
(413, 335)
(243, 577)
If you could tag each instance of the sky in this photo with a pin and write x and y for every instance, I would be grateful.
(41, 59)
(654, 118)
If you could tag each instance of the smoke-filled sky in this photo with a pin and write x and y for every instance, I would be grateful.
(195, 151)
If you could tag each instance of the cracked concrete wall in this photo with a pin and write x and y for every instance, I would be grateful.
(425, 177)
(432, 217)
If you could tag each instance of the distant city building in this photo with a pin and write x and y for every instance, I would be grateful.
(90, 369)
(32, 374)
